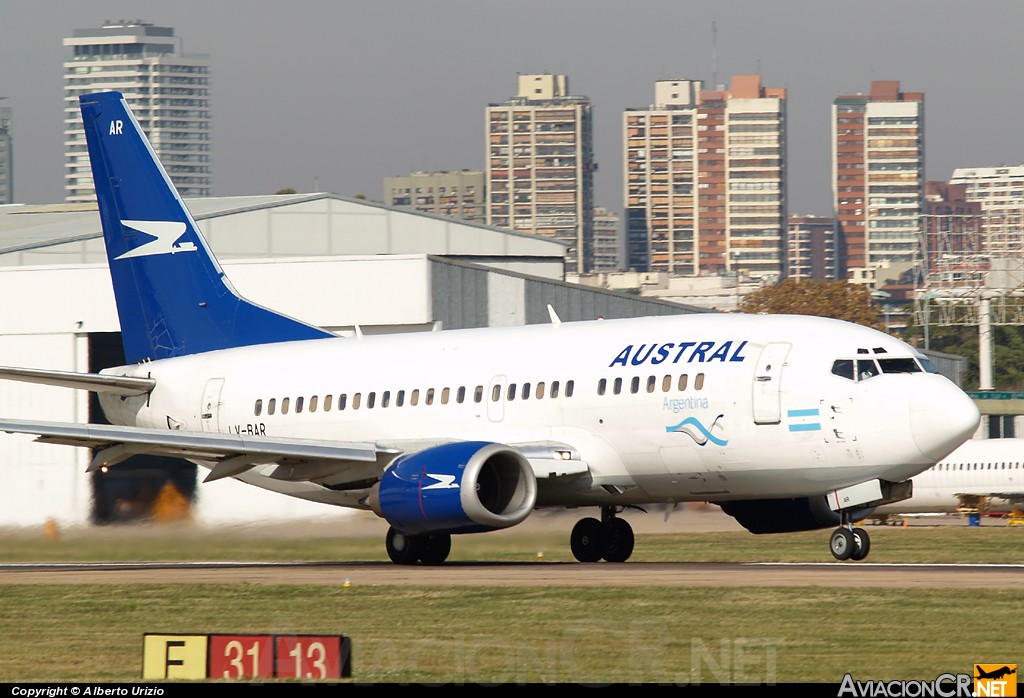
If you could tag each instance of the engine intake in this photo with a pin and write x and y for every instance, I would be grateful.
(463, 487)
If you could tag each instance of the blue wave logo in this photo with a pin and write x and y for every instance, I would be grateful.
(692, 427)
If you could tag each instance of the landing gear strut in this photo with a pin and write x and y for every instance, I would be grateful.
(428, 548)
(849, 543)
(609, 538)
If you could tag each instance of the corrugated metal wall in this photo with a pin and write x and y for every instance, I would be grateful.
(952, 366)
(465, 295)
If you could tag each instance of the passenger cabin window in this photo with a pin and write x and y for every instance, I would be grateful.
(312, 403)
(634, 385)
(400, 398)
(652, 383)
(617, 386)
(526, 390)
(602, 385)
(511, 392)
(666, 384)
(478, 394)
(342, 401)
(460, 394)
(430, 396)
(356, 400)
(682, 382)
(327, 403)
(570, 386)
(445, 392)
(298, 405)
(272, 405)
(540, 390)
(554, 389)
(385, 398)
(371, 399)
(414, 399)
(258, 410)
(495, 393)
(698, 381)
(284, 404)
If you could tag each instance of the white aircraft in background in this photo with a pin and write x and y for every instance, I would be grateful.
(789, 423)
(982, 475)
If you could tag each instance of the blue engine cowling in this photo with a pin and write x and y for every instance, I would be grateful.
(463, 487)
(787, 515)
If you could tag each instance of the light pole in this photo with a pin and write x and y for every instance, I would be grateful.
(882, 296)
(926, 298)
(734, 258)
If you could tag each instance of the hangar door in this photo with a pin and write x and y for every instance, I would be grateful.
(143, 487)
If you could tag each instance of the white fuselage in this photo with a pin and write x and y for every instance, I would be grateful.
(983, 473)
(680, 408)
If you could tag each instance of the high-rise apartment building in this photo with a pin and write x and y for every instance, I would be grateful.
(811, 248)
(705, 179)
(607, 240)
(6, 157)
(1000, 193)
(878, 178)
(456, 194)
(954, 244)
(166, 88)
(540, 165)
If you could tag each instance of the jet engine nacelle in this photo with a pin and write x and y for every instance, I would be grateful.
(463, 487)
(787, 515)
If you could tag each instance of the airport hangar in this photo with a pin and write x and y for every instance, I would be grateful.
(334, 262)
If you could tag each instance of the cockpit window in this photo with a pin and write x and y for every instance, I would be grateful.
(843, 368)
(866, 368)
(862, 369)
(906, 365)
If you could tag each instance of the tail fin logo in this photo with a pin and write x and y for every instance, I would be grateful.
(167, 234)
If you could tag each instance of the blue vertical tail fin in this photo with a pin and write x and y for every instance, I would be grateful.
(172, 297)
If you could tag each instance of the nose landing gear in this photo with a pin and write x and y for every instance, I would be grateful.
(849, 543)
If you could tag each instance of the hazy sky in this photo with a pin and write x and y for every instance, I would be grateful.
(336, 95)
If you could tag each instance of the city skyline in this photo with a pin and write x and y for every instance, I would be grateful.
(370, 90)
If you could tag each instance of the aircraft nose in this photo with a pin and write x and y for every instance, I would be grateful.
(941, 418)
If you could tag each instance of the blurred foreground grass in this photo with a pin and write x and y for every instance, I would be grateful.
(413, 634)
(951, 544)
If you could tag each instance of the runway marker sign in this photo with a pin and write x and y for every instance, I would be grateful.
(311, 657)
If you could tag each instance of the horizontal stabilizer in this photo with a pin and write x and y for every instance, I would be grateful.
(96, 382)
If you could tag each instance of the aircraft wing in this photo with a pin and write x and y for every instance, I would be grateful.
(229, 454)
(292, 459)
(96, 382)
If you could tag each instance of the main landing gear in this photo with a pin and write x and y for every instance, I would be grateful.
(428, 548)
(610, 539)
(849, 543)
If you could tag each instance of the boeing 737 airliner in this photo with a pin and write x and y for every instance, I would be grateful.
(789, 423)
(982, 475)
